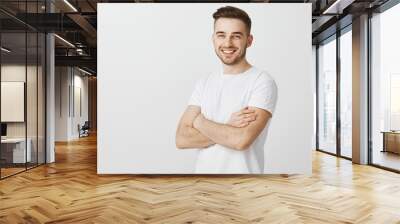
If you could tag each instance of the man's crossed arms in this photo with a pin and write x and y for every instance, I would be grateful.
(195, 131)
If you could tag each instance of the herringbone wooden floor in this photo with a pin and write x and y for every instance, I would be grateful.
(70, 191)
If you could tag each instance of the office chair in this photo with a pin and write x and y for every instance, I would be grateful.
(84, 130)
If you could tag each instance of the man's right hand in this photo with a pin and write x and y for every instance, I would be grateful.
(242, 118)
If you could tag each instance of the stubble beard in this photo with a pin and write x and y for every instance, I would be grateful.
(238, 59)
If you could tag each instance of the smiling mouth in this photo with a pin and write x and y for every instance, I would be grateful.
(226, 51)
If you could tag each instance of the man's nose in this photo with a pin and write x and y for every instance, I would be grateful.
(227, 42)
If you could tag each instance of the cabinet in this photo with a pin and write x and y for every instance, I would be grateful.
(13, 151)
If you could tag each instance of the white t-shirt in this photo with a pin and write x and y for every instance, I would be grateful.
(219, 95)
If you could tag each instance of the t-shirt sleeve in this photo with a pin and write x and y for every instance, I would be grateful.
(264, 94)
(196, 96)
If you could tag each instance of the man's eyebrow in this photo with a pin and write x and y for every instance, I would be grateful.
(238, 33)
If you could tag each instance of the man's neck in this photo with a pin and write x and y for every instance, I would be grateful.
(237, 68)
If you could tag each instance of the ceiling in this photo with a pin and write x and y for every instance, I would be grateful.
(76, 22)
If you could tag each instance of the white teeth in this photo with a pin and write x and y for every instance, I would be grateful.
(228, 51)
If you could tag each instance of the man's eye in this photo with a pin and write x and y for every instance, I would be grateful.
(221, 36)
(237, 37)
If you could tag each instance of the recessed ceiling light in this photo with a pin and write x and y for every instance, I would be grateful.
(84, 71)
(5, 50)
(337, 7)
(70, 5)
(64, 40)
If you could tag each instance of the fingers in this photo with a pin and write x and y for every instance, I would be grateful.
(246, 111)
(245, 120)
(242, 124)
(239, 123)
(243, 117)
(249, 117)
(243, 111)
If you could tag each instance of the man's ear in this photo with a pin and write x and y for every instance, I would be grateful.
(249, 40)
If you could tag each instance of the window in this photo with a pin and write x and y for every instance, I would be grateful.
(385, 88)
(346, 94)
(327, 96)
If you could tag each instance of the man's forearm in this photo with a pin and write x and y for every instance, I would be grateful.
(222, 134)
(189, 137)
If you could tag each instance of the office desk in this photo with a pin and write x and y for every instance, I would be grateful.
(13, 150)
(391, 141)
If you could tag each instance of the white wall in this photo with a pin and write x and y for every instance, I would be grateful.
(68, 80)
(314, 83)
(18, 73)
(151, 55)
(61, 103)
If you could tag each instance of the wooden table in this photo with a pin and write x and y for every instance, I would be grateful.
(391, 141)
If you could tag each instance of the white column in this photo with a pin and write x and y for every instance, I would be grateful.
(50, 92)
(50, 100)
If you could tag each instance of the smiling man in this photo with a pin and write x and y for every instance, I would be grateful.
(229, 112)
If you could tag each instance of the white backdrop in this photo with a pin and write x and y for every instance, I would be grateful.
(149, 59)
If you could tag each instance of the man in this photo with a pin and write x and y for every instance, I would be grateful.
(229, 111)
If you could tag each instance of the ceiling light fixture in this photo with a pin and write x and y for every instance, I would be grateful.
(70, 5)
(5, 50)
(79, 51)
(84, 71)
(64, 40)
(337, 7)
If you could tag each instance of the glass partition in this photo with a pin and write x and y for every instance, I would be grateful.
(13, 105)
(35, 89)
(327, 96)
(32, 95)
(41, 88)
(22, 77)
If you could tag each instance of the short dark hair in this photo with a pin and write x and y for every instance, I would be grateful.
(234, 13)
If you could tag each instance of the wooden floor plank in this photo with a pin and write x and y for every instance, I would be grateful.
(70, 191)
